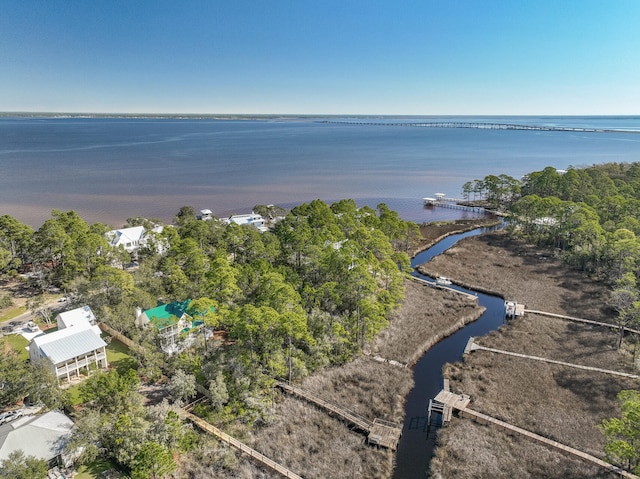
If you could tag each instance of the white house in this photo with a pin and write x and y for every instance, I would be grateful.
(75, 347)
(129, 238)
(43, 437)
(206, 215)
(82, 317)
(134, 238)
(253, 219)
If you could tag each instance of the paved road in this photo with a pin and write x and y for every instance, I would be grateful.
(19, 322)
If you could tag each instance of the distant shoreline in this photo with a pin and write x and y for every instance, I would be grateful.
(284, 116)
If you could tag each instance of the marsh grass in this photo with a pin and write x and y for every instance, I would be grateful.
(316, 445)
(427, 316)
(473, 453)
(498, 263)
(557, 402)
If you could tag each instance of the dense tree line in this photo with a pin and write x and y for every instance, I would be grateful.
(308, 293)
(591, 217)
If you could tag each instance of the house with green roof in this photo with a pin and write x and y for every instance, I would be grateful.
(170, 319)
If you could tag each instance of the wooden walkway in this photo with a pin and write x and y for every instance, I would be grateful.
(439, 286)
(566, 450)
(457, 206)
(580, 320)
(392, 362)
(205, 426)
(445, 402)
(472, 346)
(379, 432)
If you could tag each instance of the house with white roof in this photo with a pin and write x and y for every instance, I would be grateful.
(252, 219)
(82, 317)
(206, 215)
(134, 238)
(129, 238)
(75, 347)
(43, 437)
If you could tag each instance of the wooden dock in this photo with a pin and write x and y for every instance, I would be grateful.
(433, 284)
(447, 402)
(211, 429)
(384, 433)
(379, 432)
(581, 320)
(472, 346)
(513, 309)
(452, 203)
(563, 449)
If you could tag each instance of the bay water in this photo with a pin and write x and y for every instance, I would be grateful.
(109, 169)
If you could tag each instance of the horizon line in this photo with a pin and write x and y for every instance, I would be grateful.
(186, 114)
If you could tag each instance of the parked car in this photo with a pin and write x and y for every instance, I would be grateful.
(10, 415)
(33, 327)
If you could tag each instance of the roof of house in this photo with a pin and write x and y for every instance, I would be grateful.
(126, 235)
(68, 343)
(76, 317)
(165, 315)
(245, 219)
(41, 436)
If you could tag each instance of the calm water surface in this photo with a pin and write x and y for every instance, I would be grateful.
(108, 169)
(417, 444)
(111, 169)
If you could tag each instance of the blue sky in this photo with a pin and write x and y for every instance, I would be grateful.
(409, 57)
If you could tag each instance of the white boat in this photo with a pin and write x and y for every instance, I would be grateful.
(442, 281)
(513, 309)
(510, 309)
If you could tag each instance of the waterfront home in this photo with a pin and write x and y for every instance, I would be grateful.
(170, 319)
(205, 215)
(134, 238)
(131, 239)
(43, 437)
(253, 219)
(76, 346)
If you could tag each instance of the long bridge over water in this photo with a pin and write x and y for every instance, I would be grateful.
(481, 126)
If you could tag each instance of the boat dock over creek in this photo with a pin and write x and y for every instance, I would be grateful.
(379, 432)
(447, 402)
